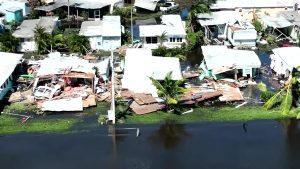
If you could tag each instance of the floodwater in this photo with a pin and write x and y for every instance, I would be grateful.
(230, 145)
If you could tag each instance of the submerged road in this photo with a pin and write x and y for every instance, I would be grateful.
(237, 145)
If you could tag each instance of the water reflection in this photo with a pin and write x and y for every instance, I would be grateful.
(169, 135)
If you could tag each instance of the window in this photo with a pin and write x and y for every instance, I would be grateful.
(172, 39)
(151, 40)
(99, 43)
(179, 39)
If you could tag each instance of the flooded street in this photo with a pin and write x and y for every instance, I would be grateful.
(257, 144)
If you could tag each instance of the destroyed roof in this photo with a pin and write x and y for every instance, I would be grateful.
(108, 26)
(232, 4)
(146, 4)
(8, 64)
(84, 4)
(171, 24)
(217, 18)
(26, 29)
(220, 56)
(289, 55)
(55, 64)
(275, 22)
(140, 65)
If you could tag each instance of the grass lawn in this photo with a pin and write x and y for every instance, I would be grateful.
(11, 125)
(205, 114)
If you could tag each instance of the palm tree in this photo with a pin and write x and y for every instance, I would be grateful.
(77, 43)
(8, 43)
(42, 39)
(286, 96)
(162, 38)
(169, 89)
(194, 11)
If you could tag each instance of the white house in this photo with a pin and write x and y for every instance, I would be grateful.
(8, 64)
(21, 4)
(242, 33)
(284, 59)
(140, 65)
(220, 59)
(25, 32)
(103, 34)
(173, 28)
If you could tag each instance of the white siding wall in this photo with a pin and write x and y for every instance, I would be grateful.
(242, 37)
(27, 46)
(104, 43)
(169, 43)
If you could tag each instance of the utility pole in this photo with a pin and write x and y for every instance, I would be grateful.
(112, 108)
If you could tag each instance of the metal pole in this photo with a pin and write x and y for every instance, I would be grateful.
(131, 26)
(113, 88)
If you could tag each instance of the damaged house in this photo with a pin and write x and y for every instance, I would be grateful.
(67, 83)
(284, 59)
(139, 66)
(222, 61)
(8, 64)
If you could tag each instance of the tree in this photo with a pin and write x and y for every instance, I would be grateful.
(77, 43)
(8, 43)
(162, 38)
(34, 3)
(194, 11)
(33, 14)
(169, 89)
(184, 4)
(286, 95)
(42, 39)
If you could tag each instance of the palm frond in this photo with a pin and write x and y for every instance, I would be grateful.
(286, 103)
(277, 98)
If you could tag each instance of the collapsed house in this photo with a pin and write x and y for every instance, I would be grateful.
(228, 25)
(215, 24)
(277, 25)
(225, 62)
(67, 83)
(284, 59)
(139, 66)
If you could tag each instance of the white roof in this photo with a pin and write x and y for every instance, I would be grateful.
(58, 65)
(103, 66)
(171, 24)
(140, 65)
(275, 22)
(217, 18)
(146, 4)
(289, 55)
(232, 4)
(8, 64)
(108, 26)
(219, 56)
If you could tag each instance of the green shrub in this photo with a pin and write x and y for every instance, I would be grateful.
(266, 95)
(20, 108)
(258, 26)
(271, 39)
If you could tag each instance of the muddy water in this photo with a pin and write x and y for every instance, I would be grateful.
(257, 145)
